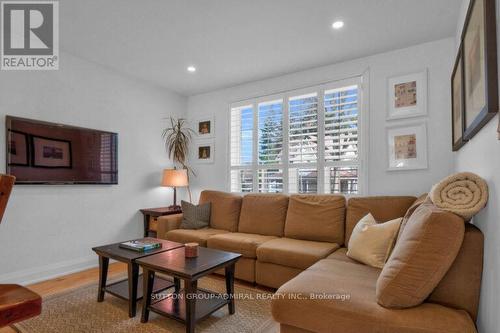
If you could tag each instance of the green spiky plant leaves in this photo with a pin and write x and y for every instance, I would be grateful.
(177, 139)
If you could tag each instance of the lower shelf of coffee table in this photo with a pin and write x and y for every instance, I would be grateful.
(174, 307)
(120, 288)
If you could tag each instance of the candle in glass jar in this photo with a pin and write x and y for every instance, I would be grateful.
(191, 250)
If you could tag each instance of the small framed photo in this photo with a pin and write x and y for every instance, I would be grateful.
(51, 153)
(407, 96)
(407, 146)
(205, 152)
(18, 151)
(205, 127)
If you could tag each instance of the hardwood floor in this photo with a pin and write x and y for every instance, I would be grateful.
(77, 280)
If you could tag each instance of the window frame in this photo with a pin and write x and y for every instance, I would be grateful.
(363, 117)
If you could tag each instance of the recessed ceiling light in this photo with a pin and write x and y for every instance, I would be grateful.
(337, 24)
(191, 69)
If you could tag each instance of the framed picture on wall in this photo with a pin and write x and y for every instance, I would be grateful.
(205, 152)
(457, 102)
(407, 146)
(51, 153)
(480, 66)
(17, 147)
(205, 127)
(407, 96)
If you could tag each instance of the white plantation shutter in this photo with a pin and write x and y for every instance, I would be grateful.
(341, 124)
(242, 180)
(303, 180)
(270, 132)
(270, 146)
(341, 140)
(303, 129)
(241, 148)
(270, 180)
(305, 141)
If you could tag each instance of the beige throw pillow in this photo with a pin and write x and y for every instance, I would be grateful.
(371, 242)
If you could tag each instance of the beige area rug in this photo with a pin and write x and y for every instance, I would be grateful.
(78, 311)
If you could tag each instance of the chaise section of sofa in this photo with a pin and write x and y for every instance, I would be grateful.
(338, 294)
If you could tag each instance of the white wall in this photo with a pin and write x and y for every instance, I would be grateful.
(435, 56)
(49, 230)
(482, 156)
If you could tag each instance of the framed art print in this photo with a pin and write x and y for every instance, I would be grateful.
(457, 103)
(205, 152)
(51, 153)
(17, 147)
(407, 146)
(480, 66)
(205, 127)
(407, 96)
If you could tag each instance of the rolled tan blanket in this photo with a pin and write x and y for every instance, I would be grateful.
(463, 193)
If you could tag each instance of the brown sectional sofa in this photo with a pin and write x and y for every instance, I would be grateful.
(298, 244)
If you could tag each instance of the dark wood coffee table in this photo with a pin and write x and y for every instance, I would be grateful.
(191, 304)
(127, 289)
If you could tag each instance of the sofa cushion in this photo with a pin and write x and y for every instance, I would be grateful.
(425, 251)
(341, 255)
(263, 214)
(272, 275)
(195, 216)
(199, 236)
(382, 208)
(352, 306)
(372, 242)
(461, 286)
(225, 209)
(424, 198)
(316, 218)
(294, 252)
(245, 244)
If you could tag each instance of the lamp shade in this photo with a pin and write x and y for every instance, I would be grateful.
(175, 178)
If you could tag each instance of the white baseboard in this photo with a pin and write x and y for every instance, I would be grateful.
(47, 272)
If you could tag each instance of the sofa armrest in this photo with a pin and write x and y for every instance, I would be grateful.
(167, 223)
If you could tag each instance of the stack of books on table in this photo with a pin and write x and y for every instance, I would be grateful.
(141, 245)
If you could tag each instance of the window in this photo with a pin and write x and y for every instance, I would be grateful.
(241, 144)
(303, 141)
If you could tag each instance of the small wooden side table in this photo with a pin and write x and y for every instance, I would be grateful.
(156, 212)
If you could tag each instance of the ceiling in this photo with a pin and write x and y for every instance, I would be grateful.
(235, 41)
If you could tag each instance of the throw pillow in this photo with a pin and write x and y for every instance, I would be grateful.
(427, 247)
(424, 198)
(195, 217)
(371, 242)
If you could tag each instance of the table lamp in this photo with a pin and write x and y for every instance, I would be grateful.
(175, 178)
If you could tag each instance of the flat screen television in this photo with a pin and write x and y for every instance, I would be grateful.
(40, 152)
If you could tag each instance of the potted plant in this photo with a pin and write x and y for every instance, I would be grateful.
(177, 137)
